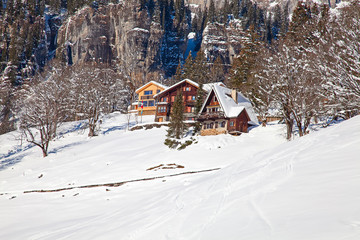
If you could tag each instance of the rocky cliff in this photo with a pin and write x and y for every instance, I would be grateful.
(118, 34)
(223, 40)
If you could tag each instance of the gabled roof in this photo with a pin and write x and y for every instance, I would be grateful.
(206, 87)
(148, 84)
(177, 84)
(230, 107)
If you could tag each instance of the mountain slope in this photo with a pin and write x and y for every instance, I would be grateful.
(266, 189)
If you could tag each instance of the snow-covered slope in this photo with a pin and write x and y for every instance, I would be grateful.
(266, 188)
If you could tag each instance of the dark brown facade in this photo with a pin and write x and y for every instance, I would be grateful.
(214, 121)
(165, 101)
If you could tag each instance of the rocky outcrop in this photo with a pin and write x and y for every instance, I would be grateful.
(223, 40)
(118, 34)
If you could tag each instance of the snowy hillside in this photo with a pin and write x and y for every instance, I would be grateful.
(266, 188)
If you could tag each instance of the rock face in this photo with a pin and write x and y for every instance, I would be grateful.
(225, 41)
(117, 34)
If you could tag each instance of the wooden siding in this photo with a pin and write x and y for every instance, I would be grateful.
(240, 123)
(148, 110)
(188, 91)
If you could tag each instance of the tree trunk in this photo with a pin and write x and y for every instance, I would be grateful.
(91, 130)
(44, 152)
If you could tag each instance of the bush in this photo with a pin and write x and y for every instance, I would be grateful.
(171, 143)
(185, 144)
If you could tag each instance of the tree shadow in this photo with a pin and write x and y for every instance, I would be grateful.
(6, 160)
(117, 128)
(11, 161)
(58, 149)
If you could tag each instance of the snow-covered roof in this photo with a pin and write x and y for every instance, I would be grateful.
(207, 87)
(151, 82)
(230, 107)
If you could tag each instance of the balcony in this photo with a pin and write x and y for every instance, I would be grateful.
(211, 115)
(147, 97)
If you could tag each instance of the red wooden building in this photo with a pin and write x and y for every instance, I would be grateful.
(166, 98)
(226, 111)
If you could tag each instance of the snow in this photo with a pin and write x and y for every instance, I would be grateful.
(267, 188)
(140, 30)
(191, 35)
(153, 82)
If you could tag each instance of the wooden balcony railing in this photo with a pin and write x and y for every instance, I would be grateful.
(147, 97)
(211, 115)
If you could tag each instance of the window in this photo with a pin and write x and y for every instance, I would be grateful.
(211, 125)
(222, 124)
(216, 124)
(148, 92)
(162, 109)
(145, 103)
(151, 103)
(191, 98)
(231, 123)
(187, 89)
(157, 91)
(172, 98)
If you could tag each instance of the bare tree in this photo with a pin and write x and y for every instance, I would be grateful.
(40, 110)
(341, 53)
(290, 78)
(98, 90)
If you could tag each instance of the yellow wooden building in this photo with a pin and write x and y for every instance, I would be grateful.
(146, 99)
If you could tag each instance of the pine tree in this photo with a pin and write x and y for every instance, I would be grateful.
(188, 68)
(243, 66)
(201, 70)
(200, 96)
(177, 127)
(235, 8)
(217, 71)
(212, 12)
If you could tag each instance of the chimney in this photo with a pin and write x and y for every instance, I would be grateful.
(234, 95)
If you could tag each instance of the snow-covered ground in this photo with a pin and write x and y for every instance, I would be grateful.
(266, 188)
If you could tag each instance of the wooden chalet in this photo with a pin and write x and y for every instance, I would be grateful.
(226, 111)
(166, 98)
(145, 98)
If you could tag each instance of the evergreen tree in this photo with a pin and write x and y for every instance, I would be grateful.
(276, 25)
(217, 71)
(235, 8)
(179, 11)
(188, 68)
(177, 127)
(200, 96)
(243, 66)
(284, 20)
(212, 12)
(225, 11)
(201, 70)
